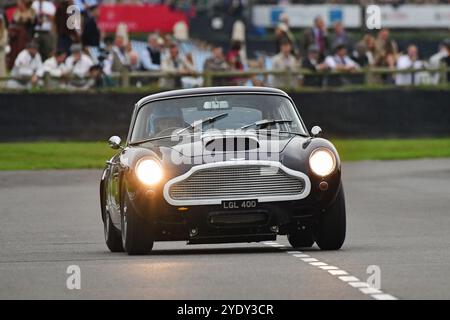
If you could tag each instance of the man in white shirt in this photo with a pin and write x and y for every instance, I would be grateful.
(285, 61)
(408, 61)
(45, 12)
(341, 61)
(78, 65)
(436, 60)
(56, 68)
(27, 65)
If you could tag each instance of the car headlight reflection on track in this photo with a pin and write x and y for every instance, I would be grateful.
(322, 162)
(149, 172)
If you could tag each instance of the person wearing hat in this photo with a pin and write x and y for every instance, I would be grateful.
(78, 65)
(311, 63)
(26, 67)
(283, 34)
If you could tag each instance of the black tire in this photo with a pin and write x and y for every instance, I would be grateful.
(301, 239)
(332, 225)
(136, 232)
(113, 237)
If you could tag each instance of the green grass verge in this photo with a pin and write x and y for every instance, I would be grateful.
(90, 155)
(54, 155)
(393, 149)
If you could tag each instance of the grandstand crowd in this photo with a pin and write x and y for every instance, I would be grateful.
(38, 48)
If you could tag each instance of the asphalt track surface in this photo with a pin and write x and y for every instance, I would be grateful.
(398, 219)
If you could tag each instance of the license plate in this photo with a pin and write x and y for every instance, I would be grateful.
(240, 204)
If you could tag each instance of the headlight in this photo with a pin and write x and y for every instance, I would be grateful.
(322, 162)
(149, 171)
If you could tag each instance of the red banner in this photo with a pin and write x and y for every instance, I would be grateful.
(140, 18)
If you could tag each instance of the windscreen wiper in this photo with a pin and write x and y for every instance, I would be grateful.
(265, 123)
(199, 123)
(151, 140)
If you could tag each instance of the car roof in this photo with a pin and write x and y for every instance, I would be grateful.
(209, 90)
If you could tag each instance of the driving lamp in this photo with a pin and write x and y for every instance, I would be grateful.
(149, 172)
(322, 162)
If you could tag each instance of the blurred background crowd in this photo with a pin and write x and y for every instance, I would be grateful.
(42, 45)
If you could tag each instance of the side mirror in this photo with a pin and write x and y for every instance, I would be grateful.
(316, 131)
(114, 142)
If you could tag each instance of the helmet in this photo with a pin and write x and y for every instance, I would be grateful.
(163, 117)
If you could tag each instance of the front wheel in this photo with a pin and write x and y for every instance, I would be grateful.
(113, 237)
(136, 232)
(331, 230)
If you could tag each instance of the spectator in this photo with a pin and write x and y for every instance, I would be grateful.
(98, 79)
(386, 50)
(134, 63)
(118, 56)
(65, 36)
(311, 63)
(340, 61)
(25, 16)
(174, 65)
(21, 30)
(446, 60)
(91, 33)
(340, 36)
(191, 81)
(45, 13)
(78, 65)
(318, 36)
(151, 57)
(285, 61)
(217, 63)
(105, 57)
(56, 68)
(408, 61)
(364, 53)
(283, 33)
(3, 46)
(27, 65)
(258, 80)
(234, 56)
(234, 60)
(436, 60)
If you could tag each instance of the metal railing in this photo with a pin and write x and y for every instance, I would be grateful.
(368, 76)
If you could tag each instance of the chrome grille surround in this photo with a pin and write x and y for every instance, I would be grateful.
(212, 183)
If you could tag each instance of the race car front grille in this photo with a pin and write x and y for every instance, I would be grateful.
(237, 182)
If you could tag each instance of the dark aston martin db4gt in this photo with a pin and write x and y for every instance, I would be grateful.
(219, 165)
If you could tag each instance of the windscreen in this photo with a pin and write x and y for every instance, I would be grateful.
(225, 112)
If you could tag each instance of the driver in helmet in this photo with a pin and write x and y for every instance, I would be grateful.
(165, 120)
